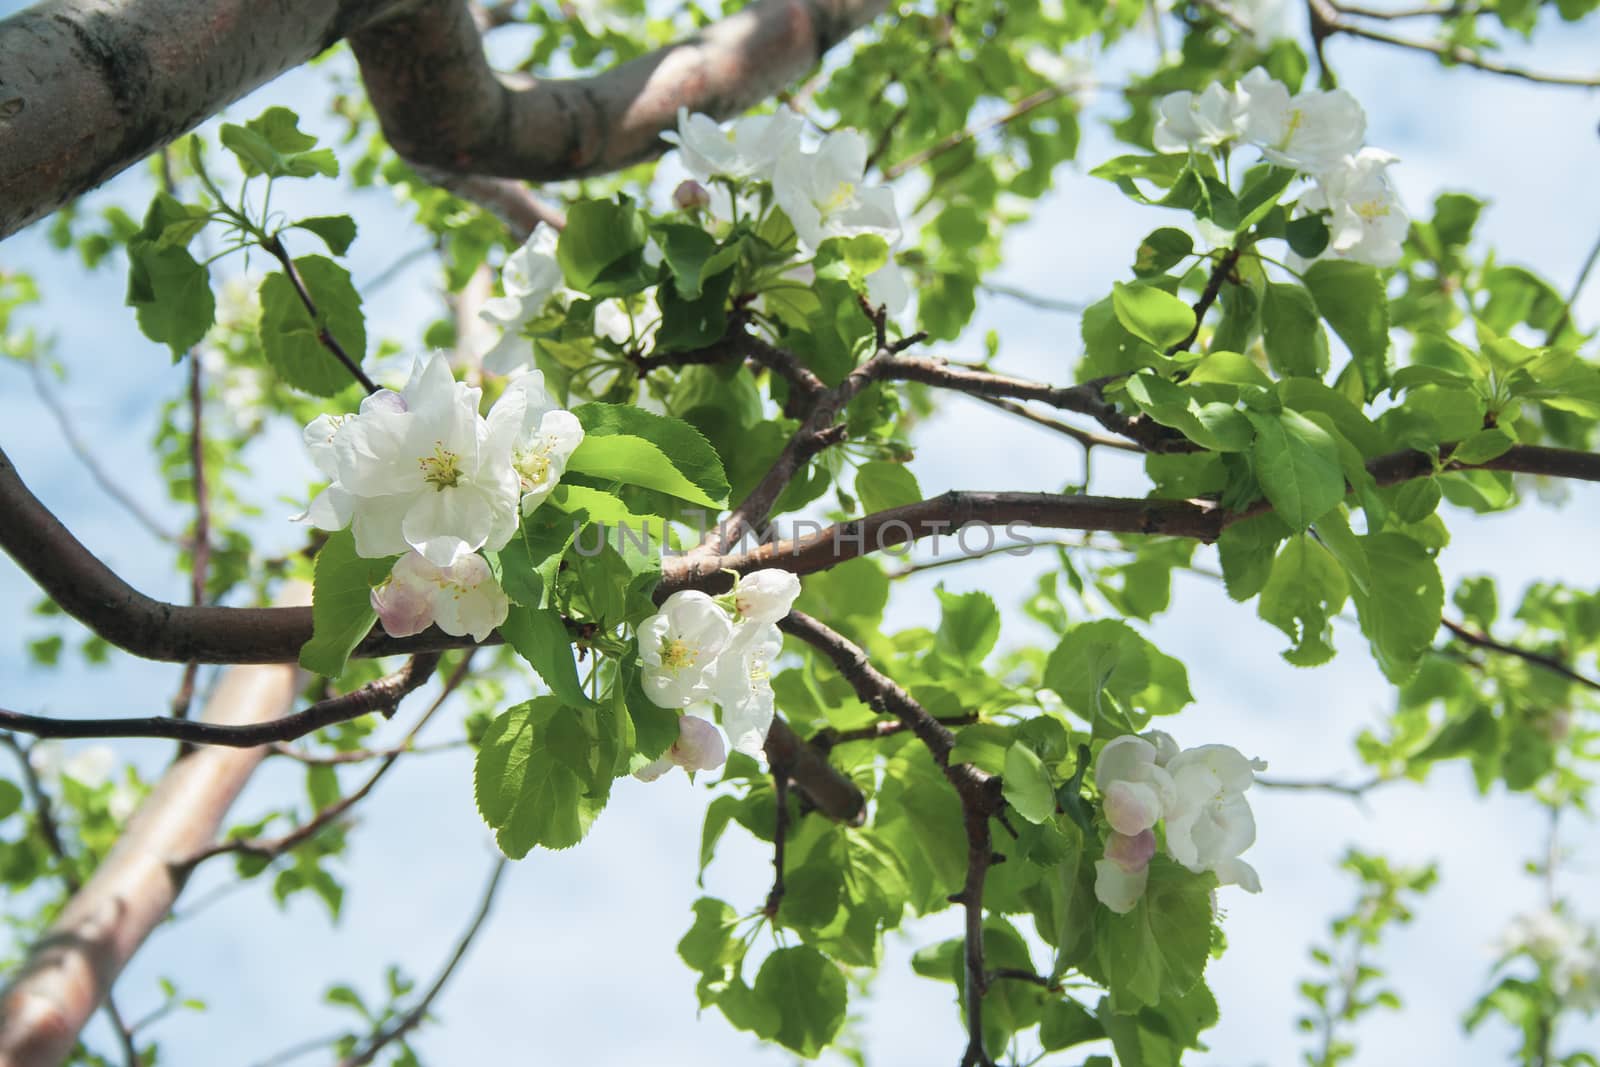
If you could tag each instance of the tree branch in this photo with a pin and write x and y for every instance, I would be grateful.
(442, 106)
(383, 695)
(978, 790)
(413, 1018)
(780, 831)
(92, 593)
(270, 848)
(807, 767)
(1538, 659)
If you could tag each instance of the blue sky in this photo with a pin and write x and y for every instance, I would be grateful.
(579, 963)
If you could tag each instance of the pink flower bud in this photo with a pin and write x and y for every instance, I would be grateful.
(1132, 854)
(691, 196)
(403, 609)
(699, 745)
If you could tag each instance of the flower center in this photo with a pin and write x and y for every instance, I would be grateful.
(1372, 210)
(533, 467)
(677, 654)
(442, 470)
(841, 198)
(1296, 117)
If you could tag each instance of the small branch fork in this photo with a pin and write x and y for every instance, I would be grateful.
(1538, 659)
(979, 792)
(270, 848)
(415, 1017)
(1330, 19)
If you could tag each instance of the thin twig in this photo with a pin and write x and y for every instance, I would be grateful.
(413, 1018)
(1031, 102)
(130, 1051)
(1086, 438)
(272, 847)
(273, 246)
(1220, 273)
(780, 831)
(44, 813)
(361, 755)
(383, 695)
(1572, 297)
(1355, 792)
(200, 541)
(1538, 659)
(1034, 300)
(81, 451)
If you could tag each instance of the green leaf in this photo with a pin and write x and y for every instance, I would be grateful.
(1152, 314)
(291, 338)
(336, 231)
(1246, 550)
(180, 307)
(1482, 446)
(1067, 1023)
(810, 993)
(710, 946)
(969, 626)
(1307, 235)
(527, 779)
(341, 603)
(1026, 785)
(882, 486)
(686, 250)
(1159, 949)
(1351, 297)
(626, 444)
(1291, 332)
(10, 799)
(1306, 590)
(273, 144)
(1161, 251)
(693, 323)
(1400, 614)
(1297, 463)
(540, 637)
(1109, 659)
(601, 251)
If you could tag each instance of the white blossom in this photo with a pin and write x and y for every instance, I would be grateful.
(1310, 132)
(544, 438)
(1565, 947)
(679, 646)
(765, 596)
(90, 767)
(699, 747)
(1118, 889)
(887, 288)
(824, 194)
(462, 598)
(747, 147)
(530, 278)
(1211, 823)
(1268, 20)
(420, 469)
(1368, 224)
(742, 684)
(1191, 122)
(1137, 792)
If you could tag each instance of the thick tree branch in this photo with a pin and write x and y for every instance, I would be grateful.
(90, 592)
(442, 106)
(90, 88)
(807, 767)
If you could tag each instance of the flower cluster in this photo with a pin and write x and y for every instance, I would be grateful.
(1198, 793)
(699, 648)
(822, 189)
(1317, 133)
(91, 768)
(531, 279)
(1567, 949)
(421, 474)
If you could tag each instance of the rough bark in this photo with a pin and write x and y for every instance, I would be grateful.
(442, 106)
(90, 87)
(70, 970)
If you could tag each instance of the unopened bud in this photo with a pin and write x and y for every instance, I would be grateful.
(691, 196)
